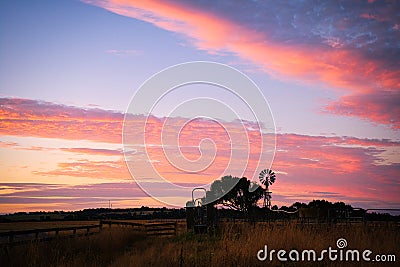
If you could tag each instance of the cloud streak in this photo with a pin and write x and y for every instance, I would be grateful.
(124, 52)
(25, 117)
(333, 43)
(94, 151)
(349, 167)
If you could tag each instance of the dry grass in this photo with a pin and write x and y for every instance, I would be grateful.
(237, 245)
(234, 245)
(95, 250)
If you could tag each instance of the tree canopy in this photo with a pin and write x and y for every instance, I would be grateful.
(236, 193)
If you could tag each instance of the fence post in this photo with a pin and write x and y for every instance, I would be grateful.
(11, 237)
(175, 229)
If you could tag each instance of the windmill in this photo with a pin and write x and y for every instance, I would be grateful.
(267, 177)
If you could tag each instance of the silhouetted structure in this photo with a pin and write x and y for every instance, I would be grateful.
(267, 177)
(200, 218)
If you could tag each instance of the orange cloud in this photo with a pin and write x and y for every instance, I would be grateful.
(8, 144)
(24, 117)
(35, 196)
(90, 169)
(340, 68)
(93, 151)
(305, 164)
(382, 107)
(346, 166)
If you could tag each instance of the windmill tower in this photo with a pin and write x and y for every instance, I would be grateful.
(267, 177)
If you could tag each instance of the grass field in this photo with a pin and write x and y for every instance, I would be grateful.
(235, 244)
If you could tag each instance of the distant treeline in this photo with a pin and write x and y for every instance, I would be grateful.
(147, 213)
(143, 213)
(325, 209)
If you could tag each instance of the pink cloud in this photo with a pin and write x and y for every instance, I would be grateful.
(90, 169)
(94, 151)
(347, 166)
(382, 107)
(24, 117)
(215, 32)
(4, 144)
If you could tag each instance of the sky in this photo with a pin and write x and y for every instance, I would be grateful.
(329, 71)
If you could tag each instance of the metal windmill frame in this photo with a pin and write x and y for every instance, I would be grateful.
(267, 177)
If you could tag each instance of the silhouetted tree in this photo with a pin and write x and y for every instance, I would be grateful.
(236, 193)
(329, 205)
(297, 205)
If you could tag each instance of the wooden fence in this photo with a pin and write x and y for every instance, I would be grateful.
(23, 236)
(159, 229)
(47, 234)
(151, 228)
(135, 225)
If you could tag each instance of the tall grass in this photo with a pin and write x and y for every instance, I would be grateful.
(238, 244)
(95, 250)
(234, 244)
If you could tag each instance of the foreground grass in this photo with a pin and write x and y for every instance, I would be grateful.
(238, 244)
(95, 250)
(233, 245)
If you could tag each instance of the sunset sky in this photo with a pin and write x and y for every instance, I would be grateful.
(329, 70)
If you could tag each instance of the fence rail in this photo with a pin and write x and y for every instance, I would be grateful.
(45, 234)
(151, 229)
(109, 223)
(23, 236)
(158, 229)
